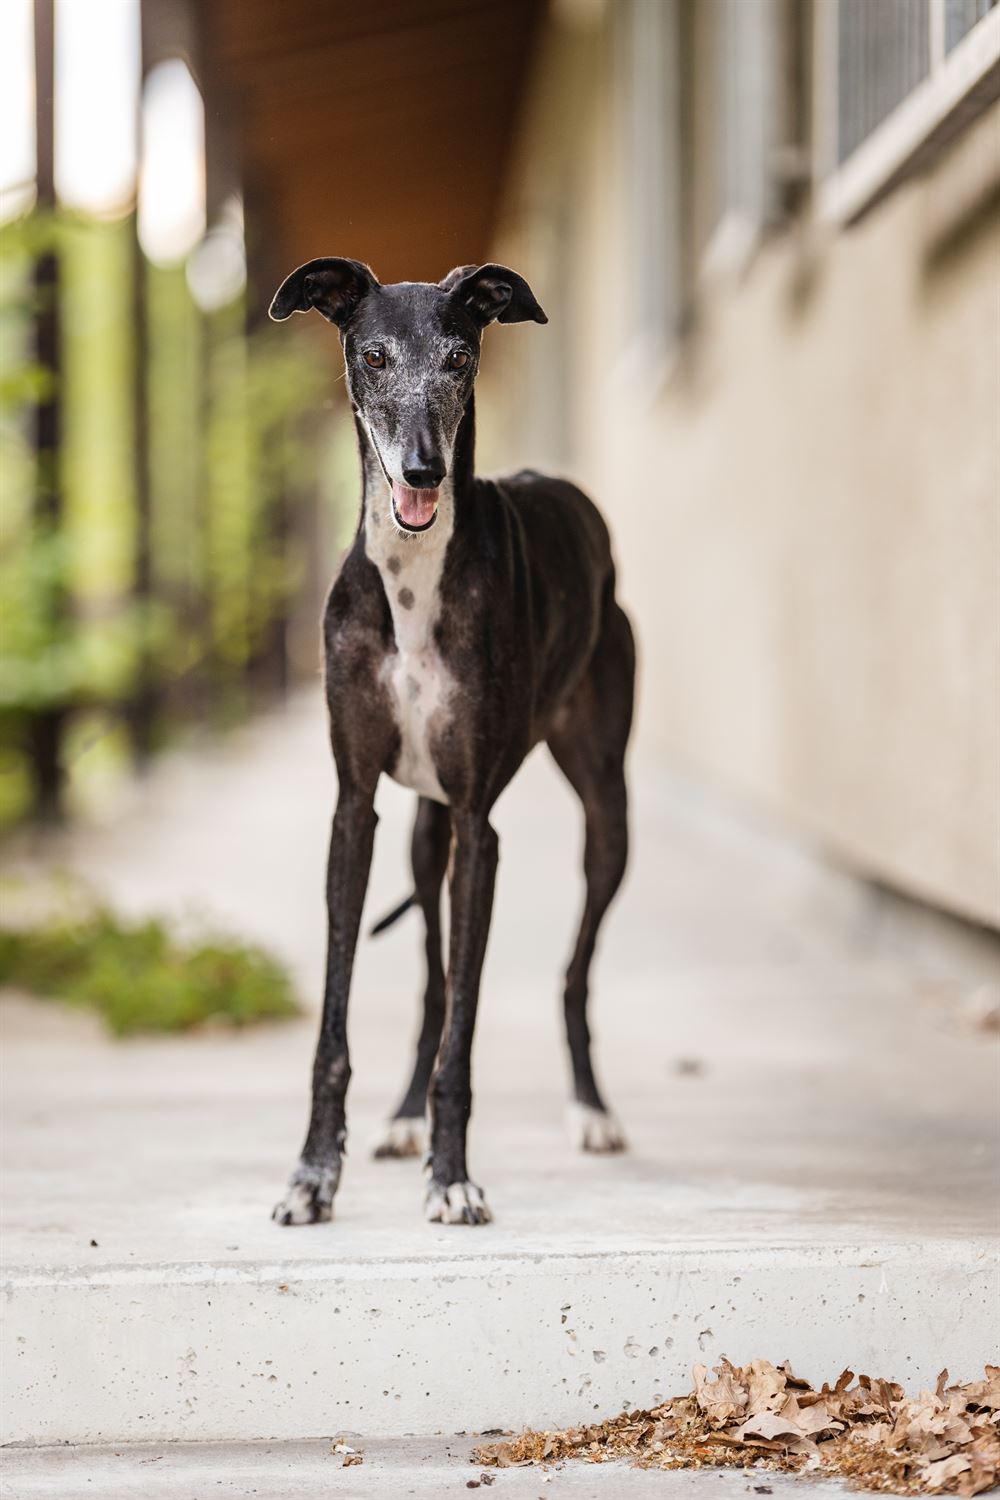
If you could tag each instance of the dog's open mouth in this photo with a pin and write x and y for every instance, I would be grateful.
(414, 510)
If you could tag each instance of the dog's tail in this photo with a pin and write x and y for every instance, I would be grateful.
(394, 915)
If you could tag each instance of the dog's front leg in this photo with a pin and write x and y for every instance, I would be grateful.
(313, 1183)
(451, 1197)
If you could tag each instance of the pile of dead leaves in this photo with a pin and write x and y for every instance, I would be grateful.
(945, 1441)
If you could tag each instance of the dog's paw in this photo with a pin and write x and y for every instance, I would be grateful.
(594, 1129)
(400, 1137)
(309, 1198)
(460, 1203)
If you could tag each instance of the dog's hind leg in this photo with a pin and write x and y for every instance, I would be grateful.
(406, 1133)
(588, 744)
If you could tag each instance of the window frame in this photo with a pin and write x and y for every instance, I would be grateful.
(958, 85)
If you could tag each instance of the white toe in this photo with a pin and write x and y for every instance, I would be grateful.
(594, 1129)
(299, 1206)
(460, 1203)
(309, 1198)
(400, 1138)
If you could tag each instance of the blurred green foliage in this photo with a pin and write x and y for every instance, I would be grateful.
(141, 977)
(236, 457)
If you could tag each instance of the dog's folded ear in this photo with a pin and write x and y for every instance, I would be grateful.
(331, 285)
(488, 292)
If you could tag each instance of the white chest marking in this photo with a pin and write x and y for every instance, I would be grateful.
(418, 682)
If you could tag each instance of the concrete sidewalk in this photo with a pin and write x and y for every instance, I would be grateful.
(427, 1469)
(814, 1131)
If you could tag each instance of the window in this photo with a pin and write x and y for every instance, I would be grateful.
(650, 57)
(883, 52)
(747, 97)
(895, 79)
(748, 40)
(960, 16)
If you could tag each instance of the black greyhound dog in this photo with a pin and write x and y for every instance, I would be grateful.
(469, 620)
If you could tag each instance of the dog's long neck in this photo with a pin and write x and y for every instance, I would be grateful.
(410, 565)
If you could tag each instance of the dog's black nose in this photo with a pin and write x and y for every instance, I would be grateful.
(424, 474)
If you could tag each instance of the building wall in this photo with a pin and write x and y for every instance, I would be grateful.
(803, 489)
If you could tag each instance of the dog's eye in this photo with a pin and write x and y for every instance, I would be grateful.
(375, 358)
(458, 359)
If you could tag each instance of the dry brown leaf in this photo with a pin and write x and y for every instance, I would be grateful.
(985, 1393)
(767, 1425)
(941, 1442)
(815, 1418)
(722, 1398)
(765, 1387)
(937, 1475)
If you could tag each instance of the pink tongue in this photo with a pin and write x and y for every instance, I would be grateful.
(414, 507)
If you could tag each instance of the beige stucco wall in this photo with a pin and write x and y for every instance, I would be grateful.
(805, 506)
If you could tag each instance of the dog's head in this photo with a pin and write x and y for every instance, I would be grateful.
(412, 352)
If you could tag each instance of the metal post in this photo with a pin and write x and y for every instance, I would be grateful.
(47, 724)
(142, 709)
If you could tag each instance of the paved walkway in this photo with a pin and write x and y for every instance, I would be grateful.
(432, 1469)
(814, 1130)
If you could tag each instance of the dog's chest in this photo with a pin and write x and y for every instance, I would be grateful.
(420, 690)
(420, 686)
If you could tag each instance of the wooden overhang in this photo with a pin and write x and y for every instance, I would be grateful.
(378, 130)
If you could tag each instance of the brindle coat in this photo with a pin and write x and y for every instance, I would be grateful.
(523, 640)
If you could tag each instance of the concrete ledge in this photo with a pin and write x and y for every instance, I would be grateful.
(310, 1348)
